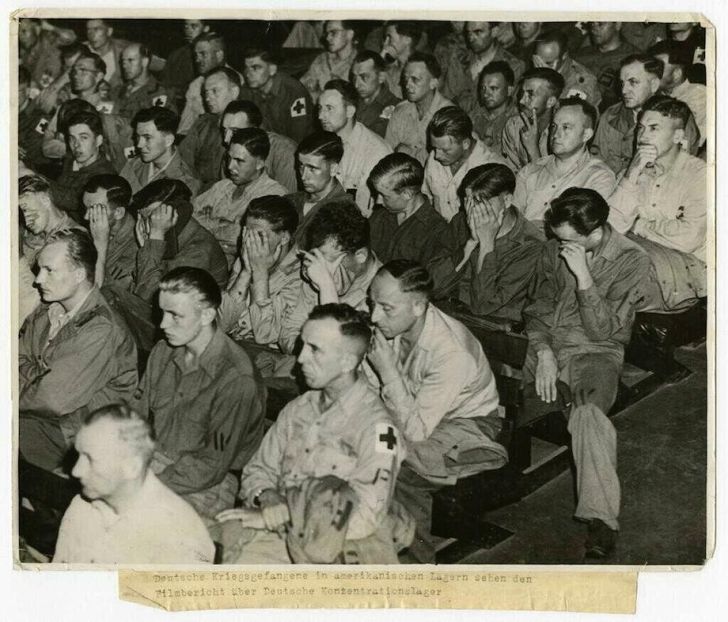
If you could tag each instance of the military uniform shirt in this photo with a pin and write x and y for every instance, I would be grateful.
(376, 114)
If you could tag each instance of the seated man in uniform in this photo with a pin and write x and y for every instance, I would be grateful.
(179, 70)
(436, 382)
(454, 150)
(318, 158)
(201, 147)
(339, 430)
(376, 101)
(569, 163)
(588, 282)
(497, 247)
(405, 225)
(401, 40)
(156, 155)
(75, 353)
(140, 89)
(221, 208)
(106, 200)
(200, 393)
(407, 129)
(662, 200)
(126, 515)
(335, 62)
(496, 85)
(362, 147)
(266, 277)
(285, 103)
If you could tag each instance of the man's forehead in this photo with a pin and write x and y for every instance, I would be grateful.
(80, 128)
(312, 159)
(534, 84)
(633, 69)
(237, 120)
(216, 79)
(652, 117)
(570, 113)
(416, 68)
(238, 151)
(178, 301)
(53, 253)
(386, 288)
(320, 332)
(363, 66)
(258, 224)
(331, 96)
(92, 198)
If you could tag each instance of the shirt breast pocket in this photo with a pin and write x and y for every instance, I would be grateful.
(334, 461)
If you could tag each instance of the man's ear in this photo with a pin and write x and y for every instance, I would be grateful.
(654, 83)
(132, 467)
(110, 30)
(588, 133)
(678, 136)
(510, 90)
(334, 169)
(169, 140)
(434, 83)
(419, 306)
(99, 140)
(208, 315)
(118, 213)
(236, 90)
(361, 255)
(273, 69)
(145, 62)
(349, 362)
(382, 77)
(552, 101)
(350, 112)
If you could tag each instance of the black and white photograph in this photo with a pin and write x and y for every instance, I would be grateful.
(362, 291)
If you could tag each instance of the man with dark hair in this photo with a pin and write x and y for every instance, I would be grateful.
(362, 147)
(221, 208)
(376, 102)
(318, 159)
(75, 353)
(140, 89)
(86, 159)
(126, 515)
(569, 164)
(100, 41)
(526, 134)
(677, 60)
(200, 392)
(156, 156)
(338, 265)
(338, 432)
(281, 161)
(401, 40)
(436, 382)
(39, 53)
(285, 103)
(335, 62)
(179, 70)
(407, 129)
(201, 147)
(404, 224)
(602, 57)
(266, 277)
(496, 85)
(106, 200)
(552, 50)
(461, 81)
(588, 282)
(454, 150)
(662, 200)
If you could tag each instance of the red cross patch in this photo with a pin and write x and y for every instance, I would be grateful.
(386, 438)
(298, 107)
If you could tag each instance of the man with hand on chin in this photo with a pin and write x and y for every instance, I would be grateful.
(588, 283)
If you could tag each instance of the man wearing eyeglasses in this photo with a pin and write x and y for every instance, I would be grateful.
(336, 62)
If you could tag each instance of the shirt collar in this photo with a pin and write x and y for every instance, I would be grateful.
(210, 359)
(350, 402)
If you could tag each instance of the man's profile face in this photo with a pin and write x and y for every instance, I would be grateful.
(568, 131)
(84, 143)
(263, 227)
(658, 131)
(637, 85)
(151, 144)
(182, 320)
(207, 56)
(448, 150)
(565, 233)
(230, 122)
(365, 78)
(84, 75)
(100, 198)
(394, 201)
(417, 81)
(332, 111)
(393, 311)
(218, 92)
(336, 37)
(478, 36)
(242, 167)
(345, 273)
(36, 211)
(322, 352)
(548, 55)
(315, 172)
(101, 459)
(602, 32)
(494, 91)
(28, 33)
(257, 72)
(97, 33)
(526, 30)
(58, 279)
(535, 95)
(193, 28)
(133, 64)
(395, 42)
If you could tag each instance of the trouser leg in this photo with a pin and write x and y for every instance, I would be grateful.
(41, 442)
(415, 494)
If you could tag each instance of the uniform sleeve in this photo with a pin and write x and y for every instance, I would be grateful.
(283, 167)
(539, 312)
(602, 180)
(234, 432)
(231, 308)
(393, 136)
(266, 316)
(193, 107)
(70, 534)
(188, 148)
(300, 125)
(511, 145)
(295, 318)
(624, 205)
(150, 268)
(520, 195)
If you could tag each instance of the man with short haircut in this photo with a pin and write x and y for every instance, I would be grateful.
(497, 248)
(407, 129)
(552, 50)
(126, 515)
(318, 159)
(401, 39)
(285, 103)
(75, 353)
(39, 50)
(495, 104)
(100, 40)
(569, 165)
(202, 145)
(266, 277)
(106, 200)
(338, 430)
(376, 102)
(602, 57)
(140, 89)
(338, 266)
(362, 147)
(461, 81)
(588, 282)
(200, 392)
(526, 134)
(405, 225)
(86, 159)
(281, 161)
(434, 379)
(335, 62)
(179, 70)
(454, 150)
(662, 200)
(221, 208)
(156, 155)
(675, 83)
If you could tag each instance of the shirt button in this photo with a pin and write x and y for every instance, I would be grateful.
(308, 451)
(333, 467)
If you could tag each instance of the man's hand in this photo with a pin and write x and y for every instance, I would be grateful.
(163, 218)
(529, 132)
(259, 254)
(141, 230)
(547, 372)
(382, 357)
(98, 222)
(644, 157)
(319, 272)
(275, 511)
(575, 257)
(250, 517)
(484, 222)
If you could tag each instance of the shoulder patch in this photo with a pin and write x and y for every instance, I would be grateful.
(105, 107)
(160, 100)
(129, 152)
(387, 112)
(576, 93)
(42, 125)
(386, 438)
(298, 107)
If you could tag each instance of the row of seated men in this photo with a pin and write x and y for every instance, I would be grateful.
(445, 213)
